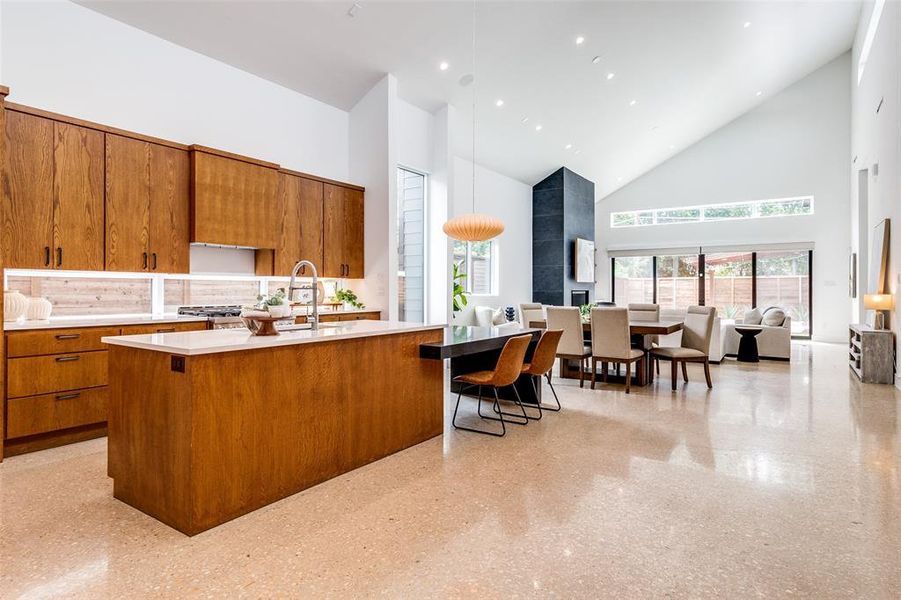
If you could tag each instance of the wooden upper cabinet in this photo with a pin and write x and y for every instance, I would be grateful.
(28, 214)
(147, 204)
(234, 200)
(78, 197)
(353, 233)
(302, 226)
(343, 232)
(54, 216)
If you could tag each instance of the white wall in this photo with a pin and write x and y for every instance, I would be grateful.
(373, 164)
(511, 201)
(795, 144)
(876, 139)
(65, 58)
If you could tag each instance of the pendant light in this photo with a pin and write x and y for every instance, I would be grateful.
(473, 227)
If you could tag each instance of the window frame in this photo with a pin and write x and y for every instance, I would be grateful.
(426, 238)
(467, 268)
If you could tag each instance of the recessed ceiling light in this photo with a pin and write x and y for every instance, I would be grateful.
(671, 146)
(567, 147)
(610, 76)
(499, 103)
(633, 102)
(578, 152)
(580, 40)
(525, 119)
(443, 66)
(538, 128)
(619, 178)
(595, 60)
(747, 24)
(759, 93)
(655, 127)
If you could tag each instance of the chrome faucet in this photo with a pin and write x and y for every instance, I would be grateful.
(314, 324)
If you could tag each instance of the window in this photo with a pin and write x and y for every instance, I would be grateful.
(633, 280)
(677, 281)
(728, 283)
(411, 191)
(478, 261)
(782, 207)
(733, 282)
(783, 280)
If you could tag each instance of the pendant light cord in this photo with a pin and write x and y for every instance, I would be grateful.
(473, 106)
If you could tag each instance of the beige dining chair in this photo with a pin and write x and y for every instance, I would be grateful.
(610, 342)
(696, 332)
(572, 343)
(646, 313)
(530, 311)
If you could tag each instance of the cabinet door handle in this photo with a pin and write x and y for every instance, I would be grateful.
(46, 256)
(168, 330)
(68, 336)
(144, 261)
(67, 358)
(59, 256)
(68, 396)
(154, 260)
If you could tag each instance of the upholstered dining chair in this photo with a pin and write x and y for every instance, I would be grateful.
(696, 332)
(646, 313)
(506, 371)
(572, 343)
(610, 342)
(542, 364)
(530, 311)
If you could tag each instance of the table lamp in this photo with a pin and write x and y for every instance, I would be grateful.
(879, 303)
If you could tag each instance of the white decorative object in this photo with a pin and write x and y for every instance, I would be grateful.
(584, 261)
(39, 309)
(15, 305)
(280, 310)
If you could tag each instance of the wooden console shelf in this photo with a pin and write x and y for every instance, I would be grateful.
(871, 354)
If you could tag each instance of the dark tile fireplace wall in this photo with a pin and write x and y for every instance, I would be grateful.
(562, 210)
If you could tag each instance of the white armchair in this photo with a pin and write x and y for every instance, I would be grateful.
(774, 341)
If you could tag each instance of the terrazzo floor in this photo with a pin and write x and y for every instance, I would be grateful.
(783, 481)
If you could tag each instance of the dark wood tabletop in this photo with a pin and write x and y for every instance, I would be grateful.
(635, 327)
(463, 340)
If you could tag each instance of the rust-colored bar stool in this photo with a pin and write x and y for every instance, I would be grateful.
(542, 365)
(506, 372)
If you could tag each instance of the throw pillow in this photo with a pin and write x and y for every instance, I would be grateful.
(484, 316)
(752, 317)
(499, 318)
(774, 317)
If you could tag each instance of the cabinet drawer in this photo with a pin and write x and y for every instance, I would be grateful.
(48, 374)
(363, 316)
(52, 412)
(56, 341)
(164, 328)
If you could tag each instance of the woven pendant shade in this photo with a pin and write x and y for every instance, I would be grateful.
(473, 227)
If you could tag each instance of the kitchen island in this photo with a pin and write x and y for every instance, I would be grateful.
(207, 426)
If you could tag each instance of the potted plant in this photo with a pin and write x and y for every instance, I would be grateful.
(277, 305)
(349, 298)
(459, 292)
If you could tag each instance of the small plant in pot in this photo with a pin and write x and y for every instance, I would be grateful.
(349, 298)
(277, 304)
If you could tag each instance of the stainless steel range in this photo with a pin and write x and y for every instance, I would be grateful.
(220, 317)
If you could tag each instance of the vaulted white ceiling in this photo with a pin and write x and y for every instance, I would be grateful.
(689, 67)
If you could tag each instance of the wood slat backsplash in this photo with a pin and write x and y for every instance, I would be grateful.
(87, 296)
(195, 292)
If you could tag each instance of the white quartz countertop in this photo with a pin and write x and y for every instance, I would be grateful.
(192, 343)
(100, 321)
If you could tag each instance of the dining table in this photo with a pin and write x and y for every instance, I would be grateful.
(569, 369)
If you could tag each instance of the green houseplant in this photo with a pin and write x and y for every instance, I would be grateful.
(459, 293)
(348, 297)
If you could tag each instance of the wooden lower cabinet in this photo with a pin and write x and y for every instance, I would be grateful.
(56, 385)
(370, 315)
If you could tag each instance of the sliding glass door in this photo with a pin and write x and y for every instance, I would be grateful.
(733, 282)
(783, 280)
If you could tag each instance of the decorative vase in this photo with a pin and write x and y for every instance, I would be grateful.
(510, 313)
(349, 307)
(39, 309)
(15, 305)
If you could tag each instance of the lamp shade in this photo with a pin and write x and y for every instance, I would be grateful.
(879, 301)
(473, 227)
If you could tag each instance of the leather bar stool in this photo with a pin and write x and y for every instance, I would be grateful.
(506, 372)
(542, 365)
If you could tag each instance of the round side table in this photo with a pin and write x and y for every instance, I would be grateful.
(747, 345)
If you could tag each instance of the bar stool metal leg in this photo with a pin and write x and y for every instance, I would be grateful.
(485, 432)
